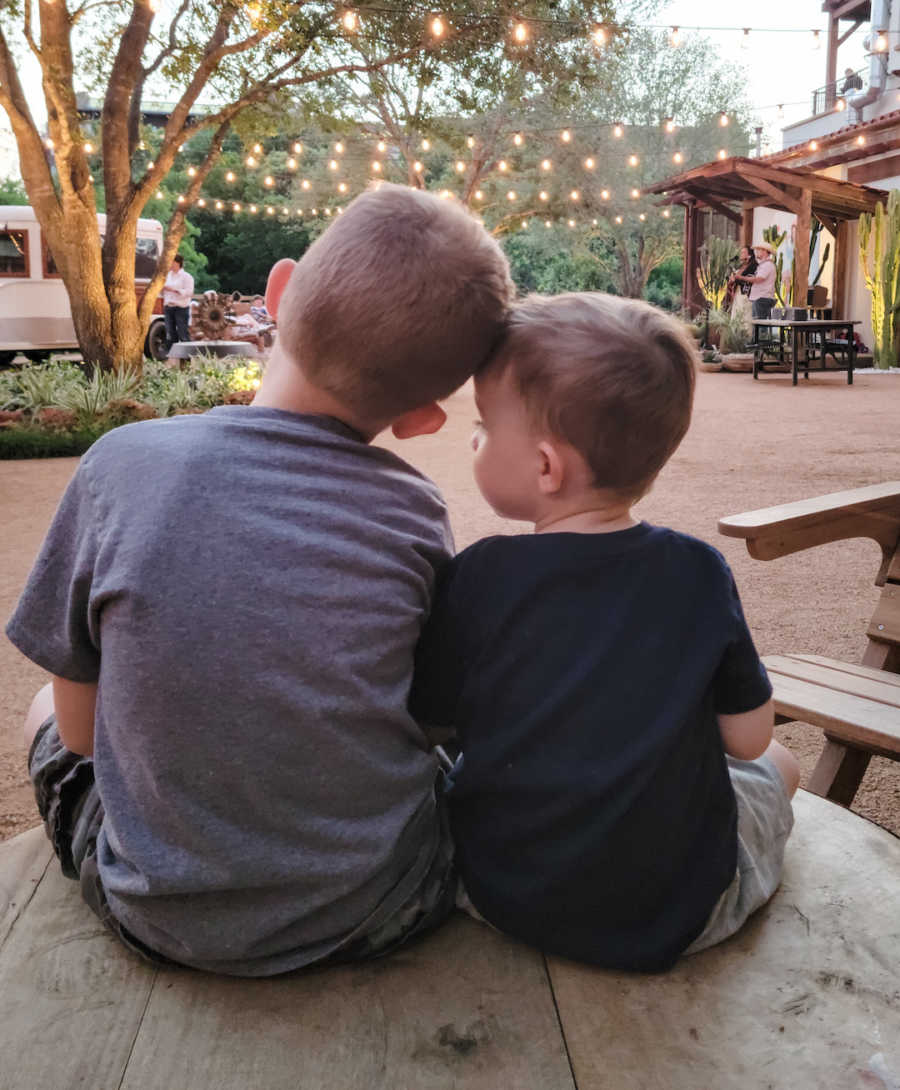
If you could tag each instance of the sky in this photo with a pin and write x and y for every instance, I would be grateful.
(781, 67)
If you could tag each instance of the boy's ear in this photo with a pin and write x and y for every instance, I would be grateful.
(422, 421)
(279, 275)
(552, 470)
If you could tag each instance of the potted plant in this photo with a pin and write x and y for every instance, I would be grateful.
(734, 335)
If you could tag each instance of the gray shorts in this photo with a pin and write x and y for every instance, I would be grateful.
(70, 806)
(765, 820)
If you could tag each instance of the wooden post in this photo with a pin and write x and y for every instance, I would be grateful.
(831, 63)
(746, 226)
(839, 279)
(690, 291)
(801, 248)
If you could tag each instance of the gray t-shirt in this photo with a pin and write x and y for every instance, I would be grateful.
(248, 587)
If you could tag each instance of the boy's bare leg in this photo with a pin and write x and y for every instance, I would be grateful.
(786, 763)
(40, 710)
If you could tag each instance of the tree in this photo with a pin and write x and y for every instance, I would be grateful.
(250, 57)
(12, 191)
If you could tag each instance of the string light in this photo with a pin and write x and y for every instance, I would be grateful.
(250, 161)
(860, 140)
(292, 164)
(350, 20)
(229, 176)
(571, 223)
(511, 195)
(342, 188)
(470, 141)
(381, 145)
(181, 198)
(219, 206)
(677, 157)
(565, 136)
(333, 164)
(253, 209)
(237, 206)
(675, 36)
(151, 165)
(503, 166)
(88, 147)
(599, 36)
(618, 219)
(437, 27)
(574, 195)
(604, 194)
(666, 213)
(270, 211)
(339, 148)
(520, 32)
(669, 124)
(723, 119)
(618, 130)
(814, 145)
(376, 166)
(201, 203)
(642, 217)
(417, 167)
(589, 164)
(517, 139)
(257, 149)
(635, 193)
(745, 39)
(544, 195)
(268, 180)
(881, 42)
(426, 145)
(840, 104)
(159, 194)
(192, 172)
(547, 223)
(479, 195)
(780, 111)
(546, 164)
(306, 184)
(817, 39)
(298, 148)
(460, 166)
(723, 154)
(633, 160)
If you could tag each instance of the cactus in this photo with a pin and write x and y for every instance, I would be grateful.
(883, 277)
(771, 235)
(716, 258)
(813, 236)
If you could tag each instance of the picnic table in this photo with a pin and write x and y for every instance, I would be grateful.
(806, 995)
(809, 335)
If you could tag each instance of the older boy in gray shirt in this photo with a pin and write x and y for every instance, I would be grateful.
(229, 604)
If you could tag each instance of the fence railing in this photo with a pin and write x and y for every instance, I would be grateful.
(828, 98)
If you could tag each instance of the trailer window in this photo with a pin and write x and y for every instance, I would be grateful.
(13, 252)
(145, 258)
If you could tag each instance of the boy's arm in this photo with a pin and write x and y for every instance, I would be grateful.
(74, 703)
(747, 734)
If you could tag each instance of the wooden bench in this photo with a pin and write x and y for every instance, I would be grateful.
(806, 996)
(857, 706)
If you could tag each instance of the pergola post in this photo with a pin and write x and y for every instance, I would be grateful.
(831, 63)
(690, 290)
(801, 249)
(746, 226)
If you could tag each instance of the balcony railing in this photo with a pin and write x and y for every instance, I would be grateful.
(827, 98)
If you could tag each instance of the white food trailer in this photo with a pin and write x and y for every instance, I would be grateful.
(35, 317)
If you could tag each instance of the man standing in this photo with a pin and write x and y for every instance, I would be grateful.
(852, 81)
(177, 292)
(762, 283)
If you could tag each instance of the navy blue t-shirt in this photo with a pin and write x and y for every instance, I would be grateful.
(593, 813)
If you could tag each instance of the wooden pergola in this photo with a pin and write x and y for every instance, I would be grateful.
(734, 187)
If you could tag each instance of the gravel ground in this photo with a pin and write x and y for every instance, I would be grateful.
(752, 444)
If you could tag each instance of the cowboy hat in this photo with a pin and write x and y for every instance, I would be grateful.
(763, 246)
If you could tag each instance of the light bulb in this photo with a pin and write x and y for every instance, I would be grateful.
(745, 38)
(333, 164)
(881, 42)
(257, 149)
(723, 119)
(780, 111)
(633, 160)
(219, 206)
(250, 161)
(565, 136)
(381, 145)
(546, 165)
(229, 176)
(292, 164)
(460, 166)
(350, 20)
(417, 167)
(511, 195)
(479, 195)
(518, 139)
(618, 219)
(520, 32)
(642, 216)
(306, 184)
(814, 145)
(342, 187)
(677, 157)
(192, 172)
(840, 105)
(201, 203)
(618, 130)
(253, 209)
(669, 124)
(236, 206)
(589, 164)
(376, 166)
(635, 193)
(544, 195)
(723, 154)
(502, 166)
(159, 194)
(268, 180)
(426, 145)
(675, 36)
(666, 213)
(339, 148)
(604, 194)
(298, 148)
(470, 141)
(860, 140)
(599, 36)
(817, 39)
(574, 195)
(437, 27)
(88, 147)
(571, 223)
(270, 211)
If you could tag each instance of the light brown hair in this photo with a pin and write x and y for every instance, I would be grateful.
(612, 377)
(397, 303)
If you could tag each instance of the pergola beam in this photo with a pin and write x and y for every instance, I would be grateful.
(780, 196)
(717, 206)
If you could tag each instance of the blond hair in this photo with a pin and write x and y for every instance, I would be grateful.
(612, 377)
(397, 303)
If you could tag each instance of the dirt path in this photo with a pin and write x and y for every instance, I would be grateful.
(752, 444)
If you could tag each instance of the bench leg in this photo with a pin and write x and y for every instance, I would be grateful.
(839, 772)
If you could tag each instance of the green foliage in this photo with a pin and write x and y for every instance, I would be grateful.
(732, 327)
(12, 191)
(550, 261)
(35, 442)
(716, 258)
(91, 397)
(883, 276)
(39, 386)
(786, 297)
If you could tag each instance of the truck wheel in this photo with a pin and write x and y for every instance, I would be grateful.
(155, 345)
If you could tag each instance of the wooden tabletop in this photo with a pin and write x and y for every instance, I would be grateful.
(806, 996)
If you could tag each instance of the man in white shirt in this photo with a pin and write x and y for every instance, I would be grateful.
(177, 292)
(762, 283)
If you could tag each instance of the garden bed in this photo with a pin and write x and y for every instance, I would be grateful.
(59, 409)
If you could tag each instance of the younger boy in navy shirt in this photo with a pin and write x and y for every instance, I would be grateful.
(620, 799)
